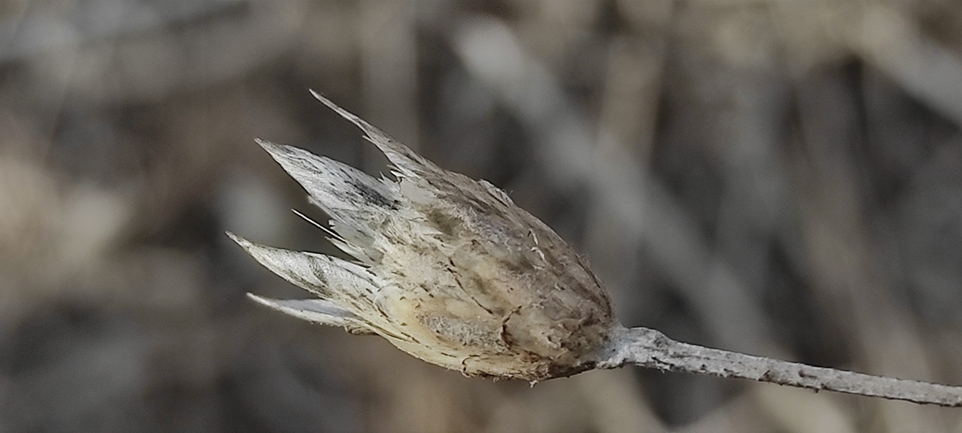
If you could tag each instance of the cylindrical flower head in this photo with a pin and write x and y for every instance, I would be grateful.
(449, 269)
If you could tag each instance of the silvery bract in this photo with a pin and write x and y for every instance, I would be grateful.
(448, 269)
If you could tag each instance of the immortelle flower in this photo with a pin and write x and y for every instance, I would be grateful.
(450, 270)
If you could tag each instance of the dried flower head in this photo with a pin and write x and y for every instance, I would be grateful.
(450, 269)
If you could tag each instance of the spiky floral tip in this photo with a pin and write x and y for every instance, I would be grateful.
(448, 269)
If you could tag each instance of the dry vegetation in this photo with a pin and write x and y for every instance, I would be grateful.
(773, 177)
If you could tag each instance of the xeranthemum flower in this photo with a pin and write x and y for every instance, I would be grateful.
(450, 270)
(447, 268)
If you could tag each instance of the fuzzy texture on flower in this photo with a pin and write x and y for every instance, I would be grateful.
(448, 269)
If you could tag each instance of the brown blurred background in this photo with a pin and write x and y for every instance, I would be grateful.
(782, 178)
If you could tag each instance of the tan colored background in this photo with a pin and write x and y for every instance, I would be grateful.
(777, 177)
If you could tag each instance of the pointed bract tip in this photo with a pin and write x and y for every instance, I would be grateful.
(244, 243)
(262, 253)
(321, 98)
(344, 113)
(268, 146)
(400, 155)
(280, 152)
(259, 300)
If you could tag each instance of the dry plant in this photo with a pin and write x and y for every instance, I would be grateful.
(450, 270)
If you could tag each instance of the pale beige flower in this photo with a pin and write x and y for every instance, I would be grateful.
(449, 269)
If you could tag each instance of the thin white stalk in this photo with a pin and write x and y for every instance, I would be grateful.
(652, 349)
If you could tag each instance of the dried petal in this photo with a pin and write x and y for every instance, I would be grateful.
(453, 271)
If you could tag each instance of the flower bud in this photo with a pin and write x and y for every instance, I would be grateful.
(448, 269)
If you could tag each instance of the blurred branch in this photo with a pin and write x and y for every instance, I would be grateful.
(839, 250)
(889, 40)
(41, 26)
(389, 66)
(644, 210)
(617, 403)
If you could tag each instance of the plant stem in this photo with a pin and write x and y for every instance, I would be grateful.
(652, 349)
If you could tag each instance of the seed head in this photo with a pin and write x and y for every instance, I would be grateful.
(448, 269)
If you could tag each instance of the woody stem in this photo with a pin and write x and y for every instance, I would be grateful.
(652, 349)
